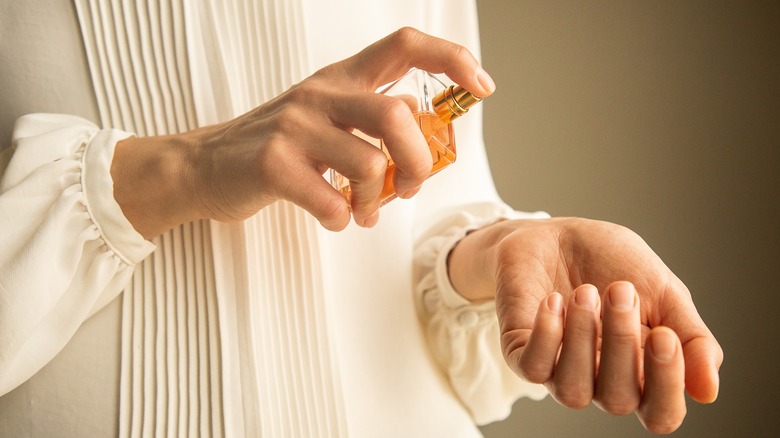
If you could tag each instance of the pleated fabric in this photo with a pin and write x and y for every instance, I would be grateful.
(137, 52)
(224, 328)
(289, 381)
(171, 376)
(256, 50)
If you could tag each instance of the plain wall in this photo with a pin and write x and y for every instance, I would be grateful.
(662, 116)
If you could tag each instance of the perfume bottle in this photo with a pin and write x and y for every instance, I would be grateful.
(434, 107)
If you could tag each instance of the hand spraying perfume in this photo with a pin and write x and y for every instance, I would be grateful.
(434, 107)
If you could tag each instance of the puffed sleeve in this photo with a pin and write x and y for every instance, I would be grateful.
(464, 336)
(66, 249)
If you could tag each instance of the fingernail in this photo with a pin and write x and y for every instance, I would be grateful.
(587, 297)
(663, 345)
(622, 297)
(554, 303)
(485, 80)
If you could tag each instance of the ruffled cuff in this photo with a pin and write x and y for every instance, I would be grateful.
(47, 138)
(464, 336)
(98, 187)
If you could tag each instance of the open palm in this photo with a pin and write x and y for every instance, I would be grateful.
(588, 309)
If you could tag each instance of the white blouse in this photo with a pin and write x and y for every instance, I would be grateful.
(271, 327)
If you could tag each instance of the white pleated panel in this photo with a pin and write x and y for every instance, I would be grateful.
(171, 377)
(171, 368)
(289, 381)
(139, 64)
(300, 392)
(251, 334)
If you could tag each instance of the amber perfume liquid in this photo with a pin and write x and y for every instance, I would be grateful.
(434, 106)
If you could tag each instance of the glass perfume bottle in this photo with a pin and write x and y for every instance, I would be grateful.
(434, 107)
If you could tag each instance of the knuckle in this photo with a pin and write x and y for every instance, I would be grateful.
(457, 51)
(394, 114)
(411, 174)
(418, 170)
(289, 120)
(618, 405)
(573, 398)
(332, 213)
(581, 331)
(304, 91)
(307, 97)
(622, 337)
(534, 371)
(664, 421)
(663, 426)
(363, 211)
(407, 37)
(375, 165)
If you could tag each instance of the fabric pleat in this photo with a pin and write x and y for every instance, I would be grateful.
(296, 371)
(171, 382)
(218, 315)
(139, 63)
(289, 380)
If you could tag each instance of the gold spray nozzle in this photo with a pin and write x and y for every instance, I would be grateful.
(453, 102)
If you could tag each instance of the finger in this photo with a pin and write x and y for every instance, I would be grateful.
(364, 165)
(315, 195)
(322, 145)
(703, 359)
(537, 359)
(703, 355)
(663, 399)
(389, 119)
(573, 382)
(617, 384)
(389, 58)
(290, 164)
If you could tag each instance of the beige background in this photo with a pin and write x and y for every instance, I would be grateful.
(662, 116)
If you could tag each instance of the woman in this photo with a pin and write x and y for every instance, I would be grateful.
(247, 317)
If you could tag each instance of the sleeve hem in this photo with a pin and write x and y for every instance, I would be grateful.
(116, 230)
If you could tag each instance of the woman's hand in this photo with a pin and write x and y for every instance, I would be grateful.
(636, 347)
(281, 149)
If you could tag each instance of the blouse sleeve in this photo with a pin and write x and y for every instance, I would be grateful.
(67, 249)
(464, 336)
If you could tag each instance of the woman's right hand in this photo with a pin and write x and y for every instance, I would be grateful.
(280, 149)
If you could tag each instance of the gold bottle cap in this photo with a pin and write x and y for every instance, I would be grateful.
(453, 102)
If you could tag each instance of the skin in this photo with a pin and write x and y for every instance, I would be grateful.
(639, 356)
(589, 310)
(280, 150)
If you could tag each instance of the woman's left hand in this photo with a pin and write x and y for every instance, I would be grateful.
(634, 347)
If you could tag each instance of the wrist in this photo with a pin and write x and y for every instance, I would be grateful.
(471, 263)
(151, 182)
